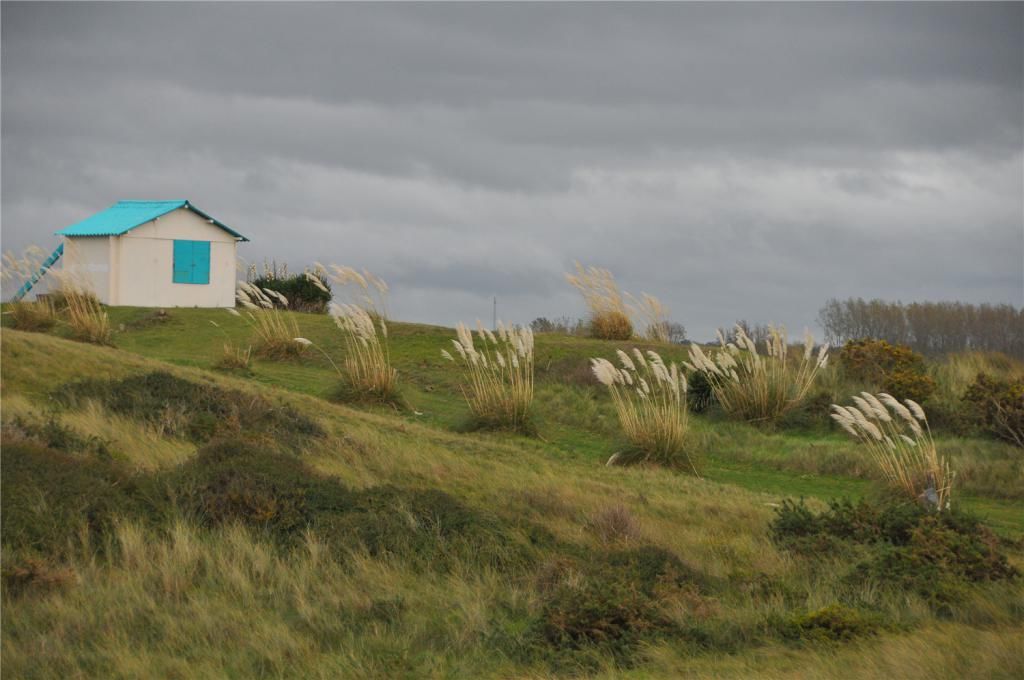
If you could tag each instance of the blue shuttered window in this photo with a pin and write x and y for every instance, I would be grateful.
(191, 262)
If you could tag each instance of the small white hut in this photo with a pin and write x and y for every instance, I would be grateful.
(154, 254)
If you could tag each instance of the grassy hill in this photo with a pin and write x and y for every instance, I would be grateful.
(164, 519)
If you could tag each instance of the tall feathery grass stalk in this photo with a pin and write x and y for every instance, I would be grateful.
(71, 300)
(275, 328)
(39, 315)
(85, 315)
(755, 387)
(77, 303)
(498, 374)
(371, 290)
(367, 366)
(650, 401)
(233, 356)
(653, 316)
(900, 444)
(609, 315)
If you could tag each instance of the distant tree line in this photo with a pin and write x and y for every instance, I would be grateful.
(927, 327)
(675, 332)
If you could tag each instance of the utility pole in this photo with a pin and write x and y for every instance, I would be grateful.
(494, 324)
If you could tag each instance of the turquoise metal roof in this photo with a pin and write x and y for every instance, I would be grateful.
(124, 216)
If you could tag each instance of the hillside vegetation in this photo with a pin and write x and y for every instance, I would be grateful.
(164, 518)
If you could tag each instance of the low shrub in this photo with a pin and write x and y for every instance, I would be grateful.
(650, 402)
(238, 480)
(497, 377)
(429, 528)
(900, 544)
(193, 410)
(997, 406)
(834, 623)
(700, 396)
(306, 292)
(49, 499)
(895, 369)
(611, 325)
(610, 602)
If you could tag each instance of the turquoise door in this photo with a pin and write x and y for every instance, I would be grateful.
(191, 262)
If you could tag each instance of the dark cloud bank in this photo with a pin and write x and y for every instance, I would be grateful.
(735, 160)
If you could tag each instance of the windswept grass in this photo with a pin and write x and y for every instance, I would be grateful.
(760, 388)
(650, 402)
(368, 373)
(371, 291)
(900, 445)
(652, 315)
(25, 315)
(497, 377)
(274, 328)
(608, 314)
(614, 315)
(72, 302)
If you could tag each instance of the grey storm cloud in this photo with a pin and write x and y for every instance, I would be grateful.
(736, 160)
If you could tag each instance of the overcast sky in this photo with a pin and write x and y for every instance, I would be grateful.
(737, 161)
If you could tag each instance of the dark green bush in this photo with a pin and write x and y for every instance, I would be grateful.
(428, 527)
(608, 602)
(905, 545)
(997, 406)
(699, 395)
(813, 412)
(895, 369)
(194, 410)
(303, 295)
(47, 498)
(244, 481)
(834, 623)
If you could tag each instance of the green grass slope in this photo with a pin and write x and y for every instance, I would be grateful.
(575, 417)
(161, 519)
